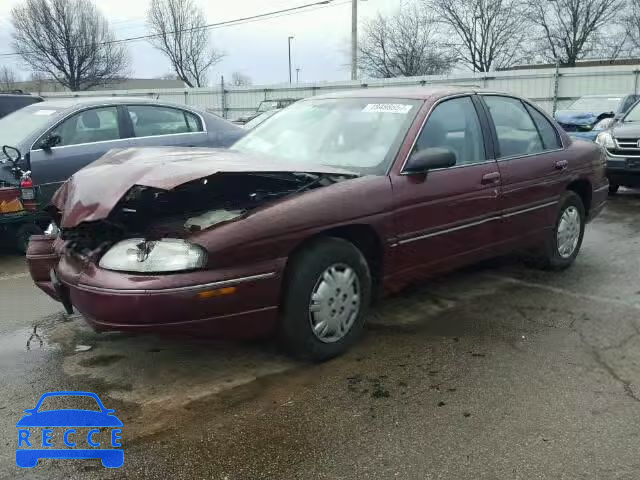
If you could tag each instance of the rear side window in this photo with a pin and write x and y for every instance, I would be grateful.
(517, 134)
(550, 139)
(89, 126)
(151, 120)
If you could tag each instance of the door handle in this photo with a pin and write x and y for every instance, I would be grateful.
(561, 165)
(493, 177)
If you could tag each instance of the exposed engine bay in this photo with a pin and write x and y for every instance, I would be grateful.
(153, 214)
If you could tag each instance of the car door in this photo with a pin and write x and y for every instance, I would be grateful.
(533, 166)
(447, 216)
(160, 125)
(83, 138)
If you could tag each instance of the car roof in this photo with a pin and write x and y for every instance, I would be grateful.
(412, 92)
(607, 95)
(84, 102)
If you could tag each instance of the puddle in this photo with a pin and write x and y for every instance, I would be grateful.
(24, 340)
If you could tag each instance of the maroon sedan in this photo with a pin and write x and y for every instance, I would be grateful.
(330, 203)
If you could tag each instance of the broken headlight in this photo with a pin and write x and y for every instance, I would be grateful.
(157, 256)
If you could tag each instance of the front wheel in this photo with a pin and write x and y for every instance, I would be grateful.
(565, 239)
(613, 188)
(327, 292)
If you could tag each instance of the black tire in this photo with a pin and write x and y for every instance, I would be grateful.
(23, 233)
(549, 257)
(303, 274)
(613, 188)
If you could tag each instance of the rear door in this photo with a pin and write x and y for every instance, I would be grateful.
(448, 216)
(533, 166)
(159, 125)
(84, 137)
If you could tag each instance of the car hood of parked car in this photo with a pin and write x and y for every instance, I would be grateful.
(91, 193)
(573, 117)
(626, 130)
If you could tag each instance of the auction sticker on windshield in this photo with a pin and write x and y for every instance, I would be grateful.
(69, 433)
(387, 108)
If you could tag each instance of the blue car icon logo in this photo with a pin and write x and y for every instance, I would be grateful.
(78, 428)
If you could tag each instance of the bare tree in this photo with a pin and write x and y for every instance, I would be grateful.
(179, 29)
(631, 23)
(69, 40)
(488, 33)
(571, 29)
(7, 79)
(240, 79)
(404, 44)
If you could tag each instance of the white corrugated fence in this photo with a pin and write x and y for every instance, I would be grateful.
(539, 85)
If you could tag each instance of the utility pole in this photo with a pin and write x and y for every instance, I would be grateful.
(354, 39)
(289, 41)
(298, 74)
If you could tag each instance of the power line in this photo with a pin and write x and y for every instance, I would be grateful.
(237, 21)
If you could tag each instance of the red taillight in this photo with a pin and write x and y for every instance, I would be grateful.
(28, 194)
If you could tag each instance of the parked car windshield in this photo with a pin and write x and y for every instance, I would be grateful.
(596, 104)
(260, 119)
(633, 115)
(17, 126)
(357, 134)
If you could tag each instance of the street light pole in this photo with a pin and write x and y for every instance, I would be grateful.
(354, 39)
(289, 41)
(298, 74)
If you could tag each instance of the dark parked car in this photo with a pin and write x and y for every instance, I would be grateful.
(314, 213)
(10, 102)
(591, 114)
(622, 144)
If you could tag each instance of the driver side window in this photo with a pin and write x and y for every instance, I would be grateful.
(454, 125)
(89, 126)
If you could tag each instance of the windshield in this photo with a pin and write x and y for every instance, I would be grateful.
(596, 104)
(633, 115)
(356, 134)
(259, 119)
(266, 106)
(19, 125)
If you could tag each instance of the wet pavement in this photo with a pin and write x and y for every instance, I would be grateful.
(498, 371)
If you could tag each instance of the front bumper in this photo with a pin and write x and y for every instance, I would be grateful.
(621, 172)
(234, 303)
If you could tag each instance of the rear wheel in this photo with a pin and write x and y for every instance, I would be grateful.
(327, 292)
(565, 239)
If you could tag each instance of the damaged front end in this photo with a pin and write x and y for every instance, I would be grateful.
(147, 230)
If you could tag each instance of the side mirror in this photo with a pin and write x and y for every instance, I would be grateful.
(428, 159)
(50, 142)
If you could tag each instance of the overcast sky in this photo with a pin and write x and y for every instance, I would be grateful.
(258, 49)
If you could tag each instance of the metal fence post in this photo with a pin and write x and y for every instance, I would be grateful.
(223, 100)
(556, 83)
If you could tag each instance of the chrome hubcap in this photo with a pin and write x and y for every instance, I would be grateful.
(568, 232)
(335, 303)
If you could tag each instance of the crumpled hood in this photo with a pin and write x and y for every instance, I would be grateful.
(572, 117)
(91, 193)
